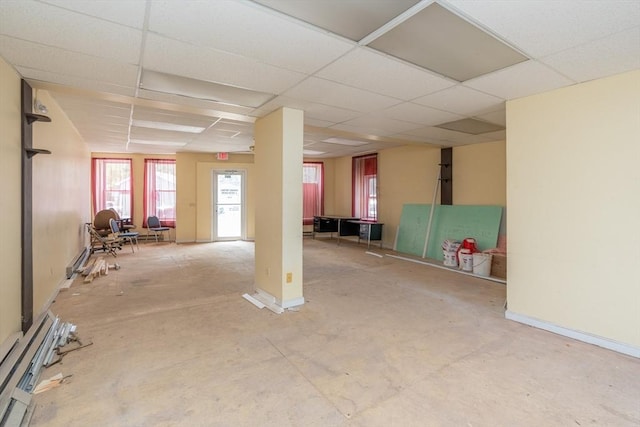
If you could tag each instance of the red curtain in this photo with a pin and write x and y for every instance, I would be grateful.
(160, 191)
(111, 186)
(312, 191)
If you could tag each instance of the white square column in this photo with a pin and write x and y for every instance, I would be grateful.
(278, 160)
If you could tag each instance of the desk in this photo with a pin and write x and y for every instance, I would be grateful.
(369, 230)
(337, 224)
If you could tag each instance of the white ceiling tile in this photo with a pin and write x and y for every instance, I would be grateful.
(460, 100)
(78, 82)
(379, 123)
(46, 24)
(183, 59)
(542, 27)
(311, 110)
(376, 72)
(420, 114)
(318, 123)
(72, 64)
(331, 93)
(130, 12)
(523, 79)
(439, 134)
(247, 30)
(616, 54)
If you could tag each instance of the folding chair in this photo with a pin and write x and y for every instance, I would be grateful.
(154, 226)
(102, 243)
(124, 237)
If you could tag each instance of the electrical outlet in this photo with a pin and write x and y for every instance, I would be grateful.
(289, 277)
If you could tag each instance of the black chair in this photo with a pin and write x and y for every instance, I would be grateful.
(129, 236)
(154, 226)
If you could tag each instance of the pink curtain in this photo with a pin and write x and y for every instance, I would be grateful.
(160, 191)
(111, 186)
(365, 174)
(312, 191)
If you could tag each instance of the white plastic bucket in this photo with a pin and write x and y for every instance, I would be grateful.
(466, 260)
(482, 264)
(450, 258)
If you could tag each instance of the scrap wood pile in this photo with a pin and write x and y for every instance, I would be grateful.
(97, 267)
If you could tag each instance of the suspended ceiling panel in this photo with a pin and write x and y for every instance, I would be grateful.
(129, 13)
(506, 83)
(370, 70)
(410, 112)
(53, 26)
(441, 41)
(543, 27)
(460, 99)
(336, 94)
(247, 30)
(353, 19)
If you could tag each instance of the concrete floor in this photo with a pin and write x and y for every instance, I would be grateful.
(379, 342)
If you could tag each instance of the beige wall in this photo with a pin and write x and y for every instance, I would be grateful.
(405, 175)
(341, 187)
(10, 201)
(480, 174)
(194, 190)
(61, 200)
(137, 169)
(574, 203)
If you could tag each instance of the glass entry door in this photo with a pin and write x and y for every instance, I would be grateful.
(228, 205)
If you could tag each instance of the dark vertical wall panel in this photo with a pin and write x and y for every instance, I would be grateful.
(27, 212)
(446, 176)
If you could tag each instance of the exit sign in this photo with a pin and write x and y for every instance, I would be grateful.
(222, 156)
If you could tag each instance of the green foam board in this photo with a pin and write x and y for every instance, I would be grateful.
(449, 222)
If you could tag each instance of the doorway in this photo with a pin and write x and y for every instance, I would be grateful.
(228, 222)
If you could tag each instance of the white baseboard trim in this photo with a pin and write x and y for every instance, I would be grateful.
(274, 304)
(292, 302)
(609, 344)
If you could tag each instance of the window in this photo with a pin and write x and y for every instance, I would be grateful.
(160, 191)
(111, 186)
(312, 191)
(365, 176)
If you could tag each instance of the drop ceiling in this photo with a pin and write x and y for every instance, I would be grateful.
(153, 76)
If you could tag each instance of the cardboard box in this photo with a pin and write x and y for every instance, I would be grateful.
(499, 266)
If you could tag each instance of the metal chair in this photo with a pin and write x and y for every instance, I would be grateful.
(154, 226)
(124, 236)
(102, 243)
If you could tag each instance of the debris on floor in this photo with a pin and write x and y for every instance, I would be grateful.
(45, 344)
(99, 267)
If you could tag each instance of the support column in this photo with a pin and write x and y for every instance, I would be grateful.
(278, 161)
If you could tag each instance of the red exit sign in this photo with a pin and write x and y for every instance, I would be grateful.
(222, 156)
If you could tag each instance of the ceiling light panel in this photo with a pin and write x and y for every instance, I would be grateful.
(384, 75)
(162, 143)
(312, 152)
(345, 141)
(166, 126)
(352, 19)
(471, 126)
(441, 41)
(53, 26)
(245, 29)
(205, 107)
(174, 57)
(199, 89)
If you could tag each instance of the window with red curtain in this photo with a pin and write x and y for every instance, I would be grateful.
(312, 191)
(160, 191)
(365, 200)
(111, 186)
